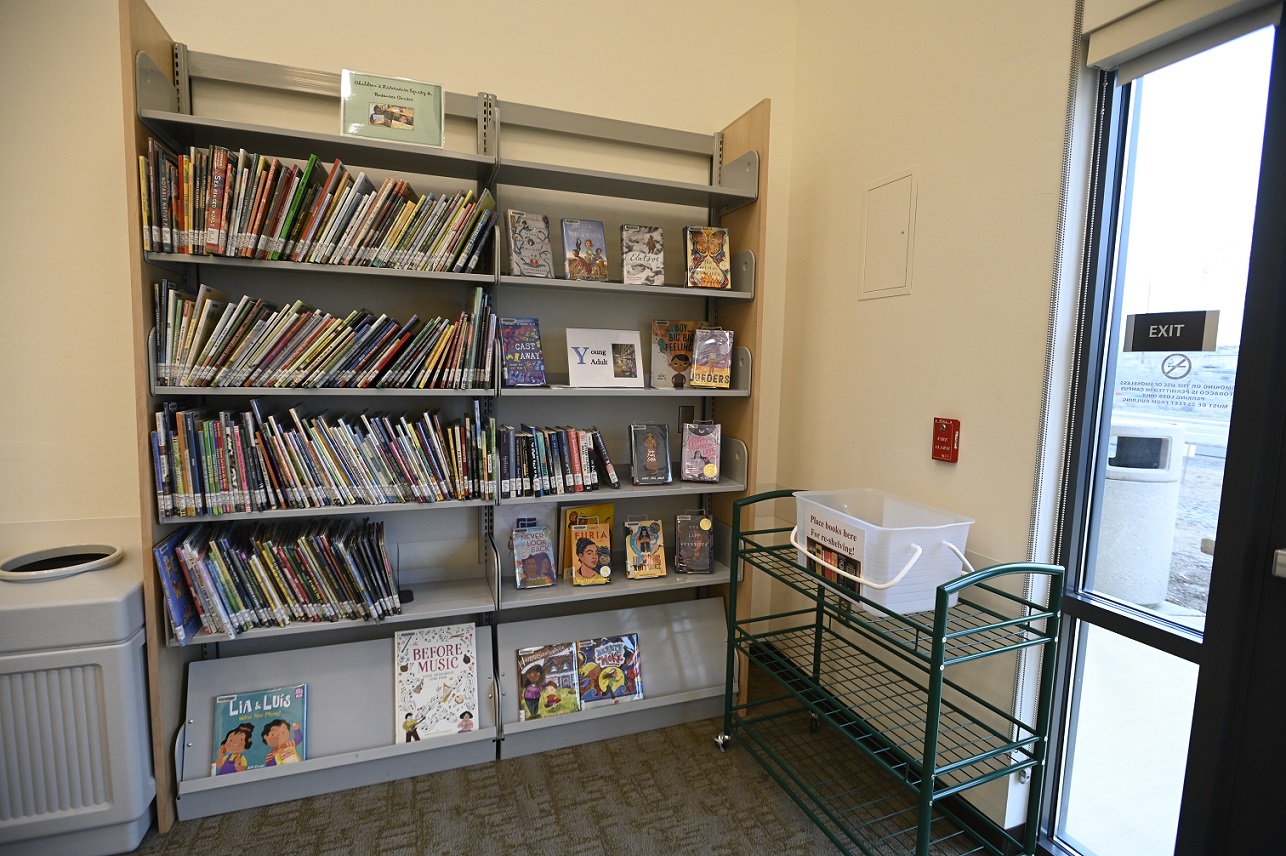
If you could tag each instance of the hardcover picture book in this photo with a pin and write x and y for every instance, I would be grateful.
(263, 728)
(435, 682)
(712, 358)
(644, 549)
(650, 453)
(534, 557)
(391, 108)
(547, 681)
(584, 249)
(642, 256)
(699, 452)
(530, 251)
(672, 352)
(610, 670)
(604, 358)
(708, 265)
(522, 358)
(694, 543)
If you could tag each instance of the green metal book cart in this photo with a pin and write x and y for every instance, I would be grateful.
(876, 723)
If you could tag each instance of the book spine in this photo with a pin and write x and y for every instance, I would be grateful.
(601, 448)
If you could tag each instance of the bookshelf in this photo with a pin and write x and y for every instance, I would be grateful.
(450, 555)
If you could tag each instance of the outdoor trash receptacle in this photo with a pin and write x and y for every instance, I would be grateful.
(1139, 509)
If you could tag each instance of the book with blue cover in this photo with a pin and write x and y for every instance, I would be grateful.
(261, 728)
(521, 357)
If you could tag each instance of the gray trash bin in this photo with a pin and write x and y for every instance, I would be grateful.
(75, 758)
(1139, 509)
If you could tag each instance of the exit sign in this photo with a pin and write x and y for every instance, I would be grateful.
(1172, 331)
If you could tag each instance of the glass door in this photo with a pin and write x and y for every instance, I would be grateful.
(1174, 248)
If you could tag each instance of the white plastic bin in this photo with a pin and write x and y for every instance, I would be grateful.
(905, 549)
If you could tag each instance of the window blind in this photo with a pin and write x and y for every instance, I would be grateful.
(1137, 36)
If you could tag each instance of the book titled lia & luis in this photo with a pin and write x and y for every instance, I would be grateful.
(263, 728)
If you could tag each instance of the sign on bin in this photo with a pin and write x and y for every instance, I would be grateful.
(897, 550)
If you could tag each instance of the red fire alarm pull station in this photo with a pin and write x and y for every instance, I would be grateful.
(946, 440)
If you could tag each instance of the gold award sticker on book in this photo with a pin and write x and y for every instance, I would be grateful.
(391, 108)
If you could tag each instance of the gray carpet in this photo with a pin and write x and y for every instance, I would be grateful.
(670, 791)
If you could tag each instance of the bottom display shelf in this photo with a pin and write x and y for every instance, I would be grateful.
(350, 726)
(681, 649)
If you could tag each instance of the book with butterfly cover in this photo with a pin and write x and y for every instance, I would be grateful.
(530, 251)
(435, 682)
(708, 265)
(584, 249)
(609, 669)
(642, 255)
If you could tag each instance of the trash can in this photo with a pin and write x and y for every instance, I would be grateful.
(1139, 509)
(75, 757)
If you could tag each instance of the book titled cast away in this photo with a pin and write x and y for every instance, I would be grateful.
(584, 249)
(610, 670)
(262, 728)
(534, 557)
(547, 681)
(672, 352)
(642, 256)
(530, 252)
(712, 358)
(644, 549)
(522, 359)
(435, 682)
(708, 265)
(699, 452)
(604, 358)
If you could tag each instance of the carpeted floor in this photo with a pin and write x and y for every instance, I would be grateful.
(670, 791)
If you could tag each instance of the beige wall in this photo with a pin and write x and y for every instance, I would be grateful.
(972, 98)
(67, 460)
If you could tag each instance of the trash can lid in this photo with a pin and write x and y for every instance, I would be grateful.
(98, 607)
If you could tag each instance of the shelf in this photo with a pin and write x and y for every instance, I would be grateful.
(852, 802)
(350, 727)
(329, 511)
(682, 672)
(311, 269)
(563, 592)
(739, 386)
(973, 628)
(618, 185)
(439, 599)
(881, 709)
(743, 284)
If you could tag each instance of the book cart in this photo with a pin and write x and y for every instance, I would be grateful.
(447, 553)
(870, 722)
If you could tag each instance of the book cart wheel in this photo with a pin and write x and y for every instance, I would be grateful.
(722, 741)
(814, 723)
